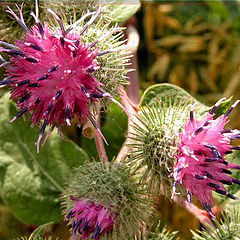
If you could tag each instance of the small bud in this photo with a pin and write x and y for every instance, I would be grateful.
(88, 130)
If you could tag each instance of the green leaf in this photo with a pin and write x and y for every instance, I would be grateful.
(234, 158)
(37, 233)
(120, 11)
(31, 183)
(223, 107)
(156, 92)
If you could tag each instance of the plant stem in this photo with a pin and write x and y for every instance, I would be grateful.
(130, 100)
(132, 46)
(98, 138)
(131, 111)
(201, 215)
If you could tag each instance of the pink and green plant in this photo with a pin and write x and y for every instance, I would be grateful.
(66, 72)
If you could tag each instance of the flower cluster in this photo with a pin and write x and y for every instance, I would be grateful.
(90, 219)
(52, 71)
(201, 165)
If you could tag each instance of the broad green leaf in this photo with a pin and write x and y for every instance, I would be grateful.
(114, 130)
(120, 11)
(31, 183)
(156, 92)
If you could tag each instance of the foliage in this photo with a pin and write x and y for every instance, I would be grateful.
(32, 182)
(194, 47)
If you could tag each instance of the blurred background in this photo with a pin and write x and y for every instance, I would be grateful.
(195, 45)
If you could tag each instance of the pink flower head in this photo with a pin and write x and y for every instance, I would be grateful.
(50, 72)
(201, 166)
(90, 219)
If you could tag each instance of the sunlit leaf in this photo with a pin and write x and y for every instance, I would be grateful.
(121, 10)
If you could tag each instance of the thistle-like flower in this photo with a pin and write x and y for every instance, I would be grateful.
(201, 166)
(154, 137)
(105, 199)
(57, 73)
(90, 219)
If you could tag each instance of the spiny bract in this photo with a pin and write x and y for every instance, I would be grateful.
(115, 192)
(227, 229)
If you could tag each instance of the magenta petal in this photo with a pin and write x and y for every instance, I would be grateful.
(201, 166)
(90, 219)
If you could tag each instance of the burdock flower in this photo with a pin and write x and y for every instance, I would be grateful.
(201, 166)
(154, 137)
(105, 200)
(58, 73)
(90, 219)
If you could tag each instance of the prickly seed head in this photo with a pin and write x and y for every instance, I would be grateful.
(72, 8)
